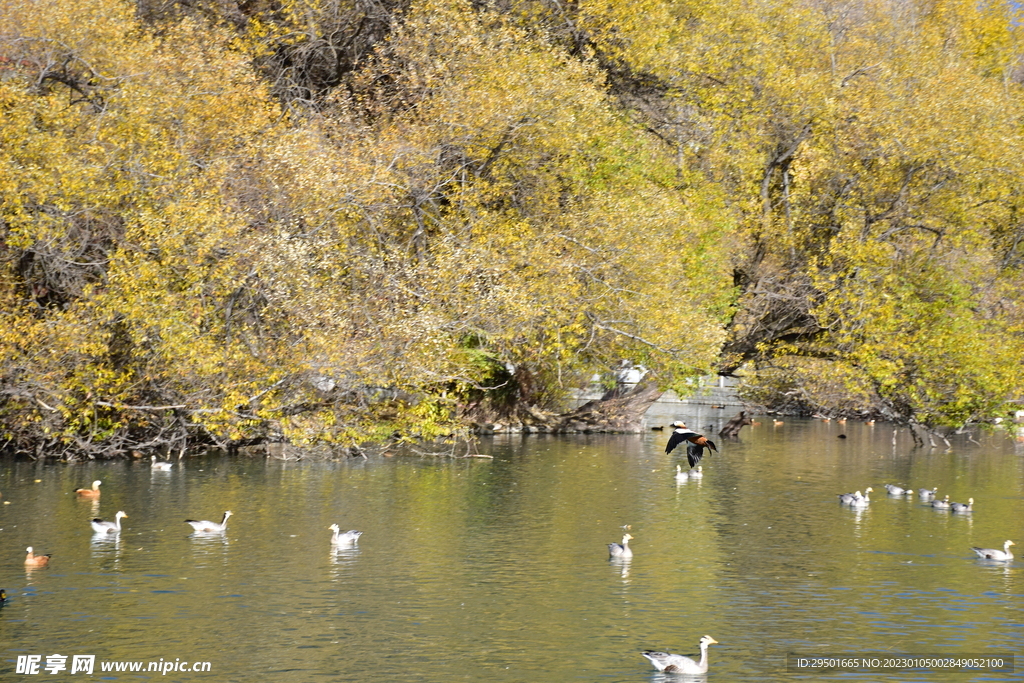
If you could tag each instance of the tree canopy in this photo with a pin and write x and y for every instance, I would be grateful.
(335, 222)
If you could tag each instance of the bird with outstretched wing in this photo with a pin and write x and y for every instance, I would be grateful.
(696, 443)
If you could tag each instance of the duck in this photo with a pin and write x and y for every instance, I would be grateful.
(697, 473)
(210, 526)
(681, 477)
(620, 550)
(101, 527)
(94, 492)
(993, 554)
(695, 446)
(160, 465)
(896, 490)
(927, 494)
(680, 664)
(961, 507)
(33, 560)
(941, 504)
(347, 538)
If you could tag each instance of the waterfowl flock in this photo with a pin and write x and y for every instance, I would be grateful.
(696, 444)
(104, 528)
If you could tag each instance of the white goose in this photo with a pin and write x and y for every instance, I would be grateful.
(681, 477)
(206, 525)
(620, 550)
(101, 527)
(160, 465)
(680, 664)
(697, 473)
(347, 538)
(992, 554)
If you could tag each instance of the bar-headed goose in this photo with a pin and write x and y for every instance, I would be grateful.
(992, 554)
(860, 501)
(206, 525)
(680, 664)
(94, 492)
(347, 538)
(620, 550)
(896, 490)
(961, 507)
(101, 527)
(941, 504)
(850, 498)
(33, 560)
(697, 472)
(927, 494)
(161, 465)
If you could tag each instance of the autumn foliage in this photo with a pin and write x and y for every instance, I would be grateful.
(342, 222)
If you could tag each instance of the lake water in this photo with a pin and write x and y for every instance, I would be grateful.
(497, 570)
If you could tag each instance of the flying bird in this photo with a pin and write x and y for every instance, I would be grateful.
(695, 446)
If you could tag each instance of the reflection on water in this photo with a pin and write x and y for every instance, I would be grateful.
(498, 569)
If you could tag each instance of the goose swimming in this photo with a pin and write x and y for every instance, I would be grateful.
(961, 507)
(927, 494)
(620, 549)
(697, 472)
(101, 527)
(347, 538)
(941, 504)
(160, 465)
(860, 501)
(896, 490)
(992, 554)
(849, 498)
(695, 443)
(206, 525)
(681, 477)
(680, 664)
